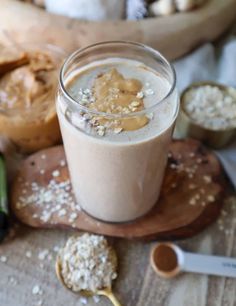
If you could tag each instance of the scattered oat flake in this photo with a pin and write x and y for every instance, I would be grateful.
(101, 132)
(210, 198)
(3, 258)
(73, 216)
(96, 299)
(28, 254)
(149, 92)
(135, 103)
(43, 254)
(118, 130)
(224, 212)
(150, 116)
(87, 91)
(62, 163)
(46, 216)
(56, 248)
(140, 95)
(207, 179)
(13, 281)
(43, 156)
(83, 300)
(192, 201)
(51, 199)
(55, 173)
(62, 212)
(36, 290)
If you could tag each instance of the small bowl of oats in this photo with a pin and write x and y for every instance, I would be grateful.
(208, 113)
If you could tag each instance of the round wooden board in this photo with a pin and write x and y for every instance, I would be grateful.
(173, 35)
(173, 217)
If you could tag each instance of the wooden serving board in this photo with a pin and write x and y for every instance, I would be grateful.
(175, 215)
(173, 35)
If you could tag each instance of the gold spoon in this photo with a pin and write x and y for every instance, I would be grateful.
(106, 291)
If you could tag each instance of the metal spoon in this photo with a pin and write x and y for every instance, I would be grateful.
(105, 291)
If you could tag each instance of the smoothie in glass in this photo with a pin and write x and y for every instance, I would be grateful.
(117, 106)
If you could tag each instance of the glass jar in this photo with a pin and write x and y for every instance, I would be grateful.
(27, 95)
(117, 177)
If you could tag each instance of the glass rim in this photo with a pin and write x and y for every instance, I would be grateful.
(146, 48)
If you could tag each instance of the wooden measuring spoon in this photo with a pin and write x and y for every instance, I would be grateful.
(105, 291)
(167, 260)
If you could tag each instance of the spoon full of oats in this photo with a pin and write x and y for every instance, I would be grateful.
(87, 265)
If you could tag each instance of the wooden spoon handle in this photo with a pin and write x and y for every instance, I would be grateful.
(110, 295)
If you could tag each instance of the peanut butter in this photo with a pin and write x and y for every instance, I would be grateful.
(26, 87)
(116, 95)
(11, 60)
(27, 109)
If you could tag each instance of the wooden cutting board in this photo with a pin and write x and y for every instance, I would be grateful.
(173, 35)
(192, 195)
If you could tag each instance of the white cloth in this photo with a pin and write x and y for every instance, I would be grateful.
(88, 9)
(216, 64)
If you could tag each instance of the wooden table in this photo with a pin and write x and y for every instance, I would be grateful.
(137, 285)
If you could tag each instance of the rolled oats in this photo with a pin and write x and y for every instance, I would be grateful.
(87, 263)
(211, 107)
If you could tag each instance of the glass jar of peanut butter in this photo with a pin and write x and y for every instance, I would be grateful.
(28, 81)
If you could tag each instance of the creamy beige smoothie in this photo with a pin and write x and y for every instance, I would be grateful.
(117, 144)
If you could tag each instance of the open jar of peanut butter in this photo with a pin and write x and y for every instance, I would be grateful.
(28, 81)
